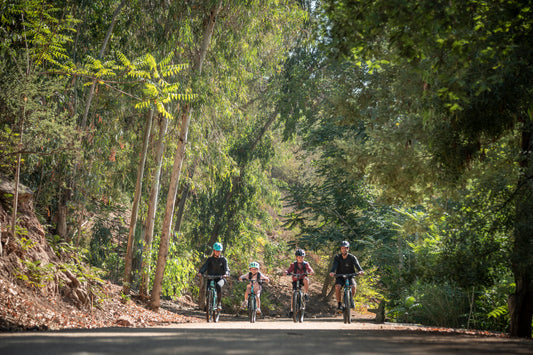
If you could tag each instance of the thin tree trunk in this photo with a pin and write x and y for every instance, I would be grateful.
(236, 183)
(17, 175)
(152, 209)
(521, 302)
(135, 208)
(100, 55)
(178, 162)
(183, 200)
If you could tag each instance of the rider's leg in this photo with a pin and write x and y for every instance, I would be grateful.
(338, 295)
(258, 300)
(219, 286)
(306, 288)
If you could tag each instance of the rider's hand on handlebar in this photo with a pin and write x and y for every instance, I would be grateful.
(361, 272)
(332, 274)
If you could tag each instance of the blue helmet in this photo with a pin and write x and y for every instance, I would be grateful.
(218, 246)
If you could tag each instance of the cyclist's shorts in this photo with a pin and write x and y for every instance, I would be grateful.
(340, 281)
(301, 283)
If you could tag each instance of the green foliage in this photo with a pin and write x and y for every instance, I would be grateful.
(179, 271)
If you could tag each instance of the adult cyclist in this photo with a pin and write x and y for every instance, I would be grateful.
(216, 265)
(344, 263)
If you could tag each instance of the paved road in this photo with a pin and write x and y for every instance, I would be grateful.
(281, 336)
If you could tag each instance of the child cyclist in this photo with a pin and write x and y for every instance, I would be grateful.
(254, 274)
(300, 268)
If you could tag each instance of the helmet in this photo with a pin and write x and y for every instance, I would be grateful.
(254, 264)
(218, 246)
(345, 244)
(299, 252)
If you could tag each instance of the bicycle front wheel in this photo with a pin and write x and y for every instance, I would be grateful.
(209, 306)
(301, 308)
(347, 306)
(252, 308)
(295, 306)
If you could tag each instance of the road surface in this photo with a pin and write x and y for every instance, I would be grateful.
(274, 336)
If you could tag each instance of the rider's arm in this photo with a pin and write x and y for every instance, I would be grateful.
(265, 278)
(290, 269)
(309, 269)
(356, 264)
(226, 267)
(335, 265)
(203, 269)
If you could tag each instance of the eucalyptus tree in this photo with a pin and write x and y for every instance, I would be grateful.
(36, 122)
(462, 79)
(241, 54)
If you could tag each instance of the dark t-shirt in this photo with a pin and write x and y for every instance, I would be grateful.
(215, 266)
(345, 266)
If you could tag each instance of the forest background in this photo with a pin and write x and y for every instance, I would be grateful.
(148, 130)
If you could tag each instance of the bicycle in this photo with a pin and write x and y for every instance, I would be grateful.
(252, 301)
(212, 310)
(347, 297)
(298, 301)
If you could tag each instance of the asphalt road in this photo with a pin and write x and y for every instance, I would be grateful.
(279, 336)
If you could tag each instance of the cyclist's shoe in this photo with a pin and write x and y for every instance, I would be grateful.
(290, 314)
(258, 311)
(244, 304)
(306, 298)
(219, 307)
(340, 308)
(352, 305)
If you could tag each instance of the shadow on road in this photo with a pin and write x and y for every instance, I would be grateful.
(293, 339)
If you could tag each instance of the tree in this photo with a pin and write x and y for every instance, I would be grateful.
(471, 64)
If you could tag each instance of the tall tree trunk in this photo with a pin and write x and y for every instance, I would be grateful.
(236, 180)
(152, 209)
(135, 208)
(521, 302)
(17, 174)
(178, 162)
(183, 199)
(100, 55)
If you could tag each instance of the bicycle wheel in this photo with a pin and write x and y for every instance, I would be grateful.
(295, 306)
(252, 308)
(347, 306)
(209, 306)
(301, 308)
(216, 312)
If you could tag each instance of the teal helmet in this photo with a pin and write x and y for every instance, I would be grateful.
(254, 264)
(218, 246)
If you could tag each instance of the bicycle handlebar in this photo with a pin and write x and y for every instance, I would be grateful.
(212, 277)
(302, 274)
(346, 275)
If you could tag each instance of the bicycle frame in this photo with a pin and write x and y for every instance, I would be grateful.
(347, 296)
(298, 302)
(252, 302)
(212, 311)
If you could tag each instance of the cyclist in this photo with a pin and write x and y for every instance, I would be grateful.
(216, 265)
(345, 263)
(300, 267)
(254, 274)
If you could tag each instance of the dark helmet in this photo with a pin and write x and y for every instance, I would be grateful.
(345, 243)
(299, 252)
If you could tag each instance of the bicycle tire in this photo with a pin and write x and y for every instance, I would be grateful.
(301, 308)
(347, 306)
(295, 306)
(216, 315)
(209, 306)
(252, 308)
